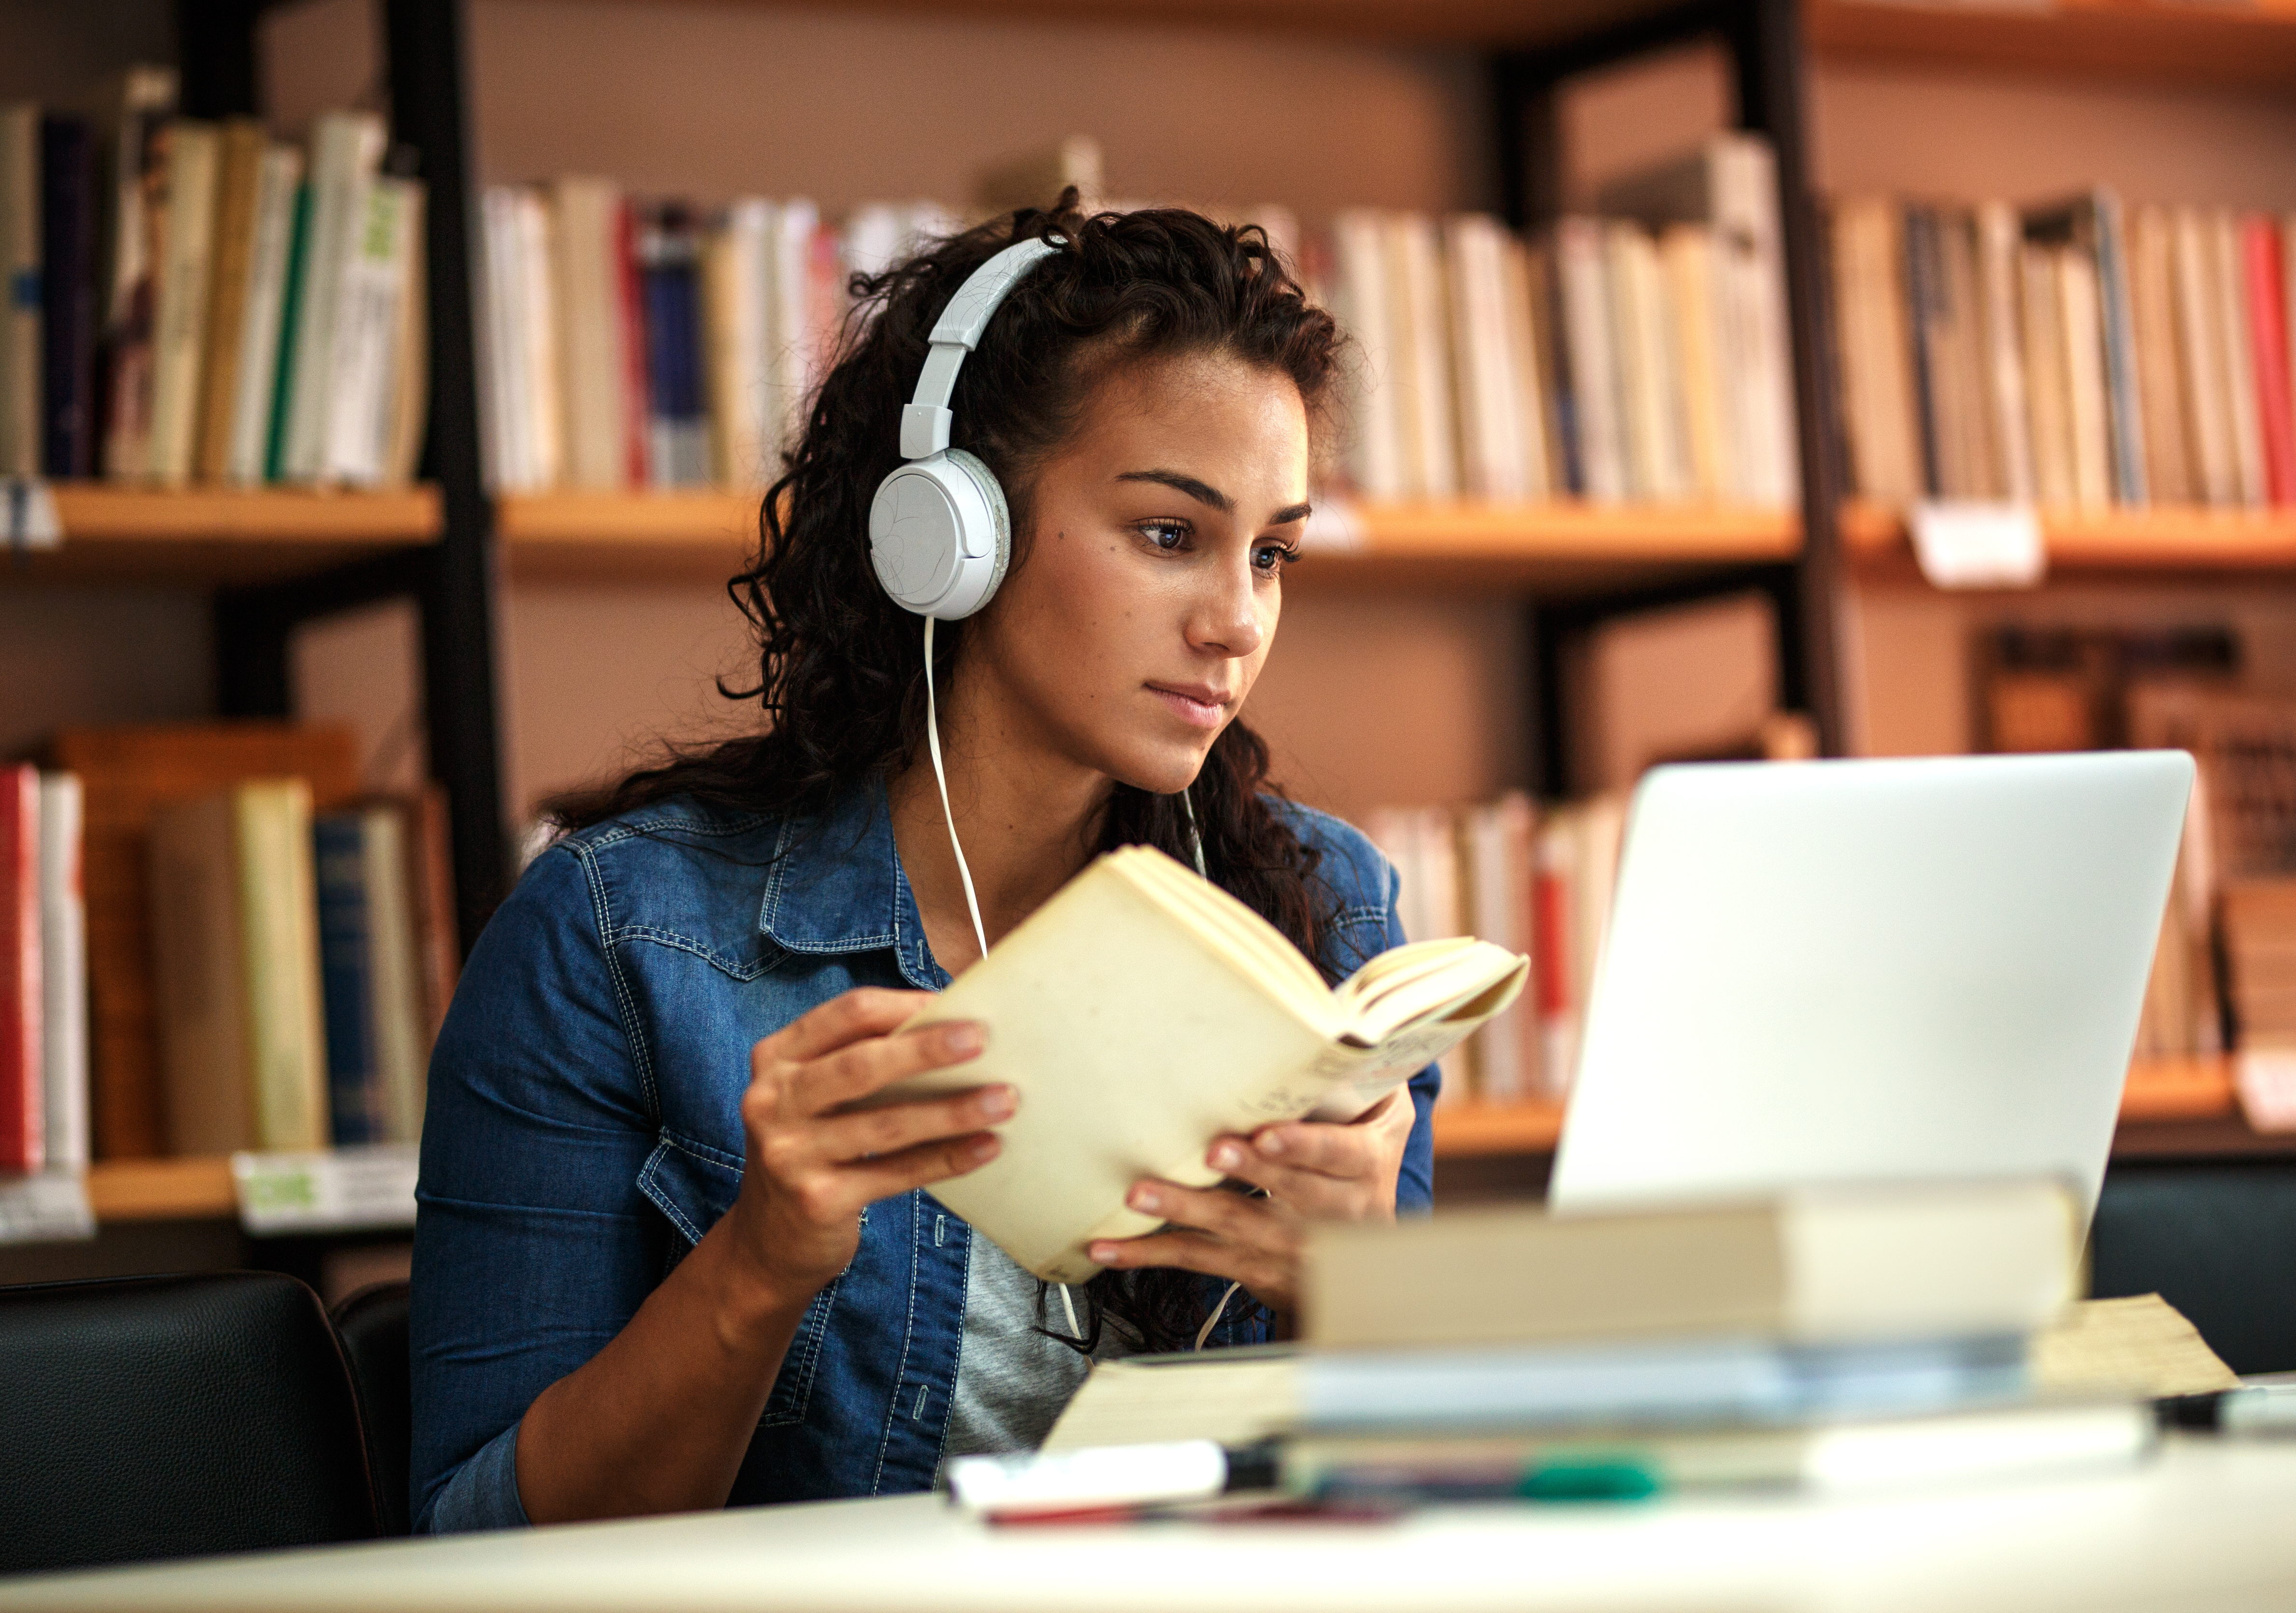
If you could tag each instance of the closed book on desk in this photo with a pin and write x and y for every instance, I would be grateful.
(1144, 1011)
(1813, 1266)
(234, 917)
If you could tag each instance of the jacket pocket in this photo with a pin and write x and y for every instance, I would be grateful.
(693, 1185)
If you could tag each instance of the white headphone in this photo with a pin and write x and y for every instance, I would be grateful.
(938, 533)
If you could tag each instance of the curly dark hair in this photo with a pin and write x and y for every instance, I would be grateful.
(841, 666)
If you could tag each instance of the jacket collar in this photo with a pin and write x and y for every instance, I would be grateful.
(837, 886)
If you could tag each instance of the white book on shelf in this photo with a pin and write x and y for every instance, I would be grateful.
(499, 429)
(1657, 455)
(1526, 369)
(2092, 428)
(541, 379)
(63, 974)
(1499, 854)
(1483, 358)
(364, 371)
(1416, 270)
(2237, 364)
(1998, 240)
(345, 153)
(1587, 327)
(1686, 252)
(2048, 386)
(736, 278)
(256, 381)
(1365, 305)
(180, 316)
(1745, 219)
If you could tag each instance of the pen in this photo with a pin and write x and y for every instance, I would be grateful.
(2256, 1408)
(1108, 1480)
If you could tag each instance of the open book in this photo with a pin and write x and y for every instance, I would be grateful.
(1142, 1012)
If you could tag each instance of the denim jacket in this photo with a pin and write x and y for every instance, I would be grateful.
(584, 1130)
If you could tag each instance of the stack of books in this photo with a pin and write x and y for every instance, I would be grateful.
(2082, 355)
(256, 312)
(1830, 1341)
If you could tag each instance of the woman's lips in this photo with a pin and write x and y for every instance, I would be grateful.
(1199, 707)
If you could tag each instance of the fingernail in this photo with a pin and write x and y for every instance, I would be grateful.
(998, 1102)
(1101, 1254)
(964, 1041)
(1145, 1198)
(1270, 1142)
(982, 1149)
(1227, 1156)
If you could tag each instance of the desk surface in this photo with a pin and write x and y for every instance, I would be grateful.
(2208, 1525)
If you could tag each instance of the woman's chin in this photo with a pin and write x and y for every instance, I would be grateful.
(1165, 771)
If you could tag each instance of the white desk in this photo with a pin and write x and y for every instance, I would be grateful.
(2208, 1527)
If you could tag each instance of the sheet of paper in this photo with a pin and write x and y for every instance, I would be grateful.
(1231, 1395)
(2141, 1344)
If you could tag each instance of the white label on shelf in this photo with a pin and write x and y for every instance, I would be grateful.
(27, 514)
(1963, 543)
(340, 1188)
(2266, 1077)
(46, 1207)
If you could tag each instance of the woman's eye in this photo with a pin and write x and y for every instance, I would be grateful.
(1165, 534)
(1274, 557)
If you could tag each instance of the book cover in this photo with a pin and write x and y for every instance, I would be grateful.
(594, 376)
(2091, 409)
(2152, 304)
(295, 277)
(544, 375)
(361, 413)
(180, 319)
(1925, 303)
(1363, 304)
(1586, 324)
(2268, 333)
(129, 775)
(677, 428)
(2237, 361)
(346, 156)
(2047, 384)
(2090, 227)
(1716, 472)
(21, 342)
(1526, 318)
(2200, 347)
(402, 1036)
(63, 974)
(347, 971)
(502, 406)
(1423, 367)
(238, 200)
(68, 296)
(734, 270)
(629, 311)
(408, 418)
(1483, 359)
(278, 906)
(23, 1128)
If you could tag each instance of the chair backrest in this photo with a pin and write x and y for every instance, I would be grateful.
(372, 1323)
(2216, 1239)
(152, 1417)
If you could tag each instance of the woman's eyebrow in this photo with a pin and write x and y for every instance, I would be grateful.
(1289, 513)
(1203, 492)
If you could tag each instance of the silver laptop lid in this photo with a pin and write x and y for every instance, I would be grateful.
(1871, 970)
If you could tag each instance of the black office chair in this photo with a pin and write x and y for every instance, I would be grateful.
(372, 1323)
(2216, 1239)
(152, 1417)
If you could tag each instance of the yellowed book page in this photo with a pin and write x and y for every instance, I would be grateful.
(2140, 1344)
(1256, 945)
(1233, 1396)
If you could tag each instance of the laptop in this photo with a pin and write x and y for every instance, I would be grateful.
(1858, 971)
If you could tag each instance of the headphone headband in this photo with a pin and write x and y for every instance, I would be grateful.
(926, 422)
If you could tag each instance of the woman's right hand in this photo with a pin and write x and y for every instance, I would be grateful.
(812, 1163)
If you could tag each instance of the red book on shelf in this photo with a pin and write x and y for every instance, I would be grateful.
(2267, 341)
(635, 372)
(23, 1135)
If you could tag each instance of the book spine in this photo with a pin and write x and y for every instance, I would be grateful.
(2199, 346)
(630, 313)
(284, 382)
(256, 371)
(347, 970)
(279, 907)
(180, 321)
(502, 432)
(407, 406)
(401, 1044)
(67, 269)
(63, 972)
(21, 339)
(543, 379)
(2122, 381)
(238, 195)
(2236, 363)
(1923, 295)
(363, 371)
(23, 1130)
(1375, 453)
(1585, 338)
(139, 195)
(346, 151)
(2269, 340)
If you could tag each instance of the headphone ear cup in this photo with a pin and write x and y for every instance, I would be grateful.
(999, 536)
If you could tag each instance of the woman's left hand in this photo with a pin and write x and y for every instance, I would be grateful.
(1312, 1170)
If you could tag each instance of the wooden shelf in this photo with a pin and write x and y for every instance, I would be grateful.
(220, 535)
(162, 1190)
(1466, 1129)
(2251, 47)
(1450, 545)
(2148, 542)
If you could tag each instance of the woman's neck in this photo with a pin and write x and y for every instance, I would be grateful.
(1029, 819)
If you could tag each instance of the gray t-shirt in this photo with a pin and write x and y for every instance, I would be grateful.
(1012, 1380)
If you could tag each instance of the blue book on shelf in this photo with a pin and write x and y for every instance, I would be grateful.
(676, 422)
(346, 976)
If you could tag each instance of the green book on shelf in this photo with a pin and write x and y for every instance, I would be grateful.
(291, 303)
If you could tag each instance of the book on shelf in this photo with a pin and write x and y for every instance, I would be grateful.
(23, 1128)
(1143, 1012)
(378, 1033)
(234, 916)
(2082, 355)
(63, 974)
(227, 324)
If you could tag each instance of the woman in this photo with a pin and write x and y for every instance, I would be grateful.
(652, 1273)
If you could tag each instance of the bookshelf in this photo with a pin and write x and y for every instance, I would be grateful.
(213, 538)
(2182, 539)
(2137, 40)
